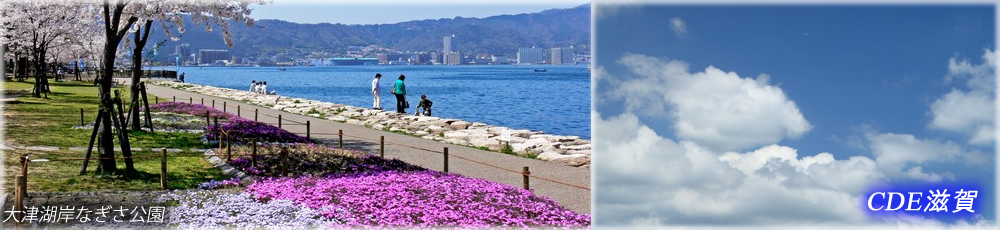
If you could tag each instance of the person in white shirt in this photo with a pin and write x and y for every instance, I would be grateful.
(263, 87)
(375, 92)
(253, 86)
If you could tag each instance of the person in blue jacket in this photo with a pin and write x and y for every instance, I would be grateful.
(399, 89)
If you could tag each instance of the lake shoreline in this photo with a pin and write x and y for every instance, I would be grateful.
(566, 150)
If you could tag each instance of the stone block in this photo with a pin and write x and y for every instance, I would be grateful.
(573, 160)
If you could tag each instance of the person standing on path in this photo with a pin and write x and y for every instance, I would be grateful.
(375, 92)
(399, 89)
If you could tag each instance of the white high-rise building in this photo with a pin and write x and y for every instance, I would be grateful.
(447, 48)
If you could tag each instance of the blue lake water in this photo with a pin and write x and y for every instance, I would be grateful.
(556, 101)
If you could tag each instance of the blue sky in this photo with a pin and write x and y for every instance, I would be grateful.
(389, 11)
(870, 82)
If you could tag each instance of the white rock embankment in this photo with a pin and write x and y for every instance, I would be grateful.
(567, 150)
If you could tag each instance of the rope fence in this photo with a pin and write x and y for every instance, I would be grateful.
(225, 138)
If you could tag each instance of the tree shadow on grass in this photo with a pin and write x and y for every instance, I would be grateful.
(174, 181)
(19, 102)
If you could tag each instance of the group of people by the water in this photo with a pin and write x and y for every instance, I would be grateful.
(259, 87)
(399, 90)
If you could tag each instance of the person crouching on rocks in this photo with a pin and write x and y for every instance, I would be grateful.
(426, 104)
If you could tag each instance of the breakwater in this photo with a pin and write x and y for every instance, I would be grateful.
(567, 150)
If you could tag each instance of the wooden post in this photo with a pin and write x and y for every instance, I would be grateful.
(219, 138)
(526, 174)
(203, 101)
(81, 116)
(381, 146)
(21, 189)
(121, 110)
(213, 103)
(279, 121)
(253, 155)
(341, 142)
(90, 146)
(145, 104)
(445, 159)
(229, 148)
(308, 137)
(156, 100)
(24, 171)
(190, 100)
(163, 168)
(224, 107)
(175, 98)
(254, 114)
(238, 111)
(284, 161)
(122, 135)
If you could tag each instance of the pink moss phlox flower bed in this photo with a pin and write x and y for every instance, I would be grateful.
(316, 160)
(418, 198)
(192, 109)
(244, 130)
(240, 129)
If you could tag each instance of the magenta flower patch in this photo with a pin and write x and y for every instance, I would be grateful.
(418, 198)
(243, 130)
(192, 109)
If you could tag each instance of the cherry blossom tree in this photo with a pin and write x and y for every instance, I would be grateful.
(122, 16)
(171, 14)
(33, 28)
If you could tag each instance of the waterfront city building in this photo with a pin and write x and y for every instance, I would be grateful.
(209, 56)
(447, 49)
(562, 56)
(531, 55)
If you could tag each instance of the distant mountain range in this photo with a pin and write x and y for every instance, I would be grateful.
(501, 35)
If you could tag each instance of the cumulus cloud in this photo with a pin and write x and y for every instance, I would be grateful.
(979, 77)
(647, 179)
(680, 29)
(900, 156)
(715, 109)
(706, 177)
(971, 111)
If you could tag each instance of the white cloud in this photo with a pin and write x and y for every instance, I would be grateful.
(959, 110)
(599, 73)
(680, 29)
(899, 156)
(713, 108)
(648, 179)
(645, 179)
(970, 112)
(984, 135)
(704, 178)
(979, 77)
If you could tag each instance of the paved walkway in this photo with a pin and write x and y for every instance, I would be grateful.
(414, 150)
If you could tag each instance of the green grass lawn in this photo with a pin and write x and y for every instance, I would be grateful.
(49, 122)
